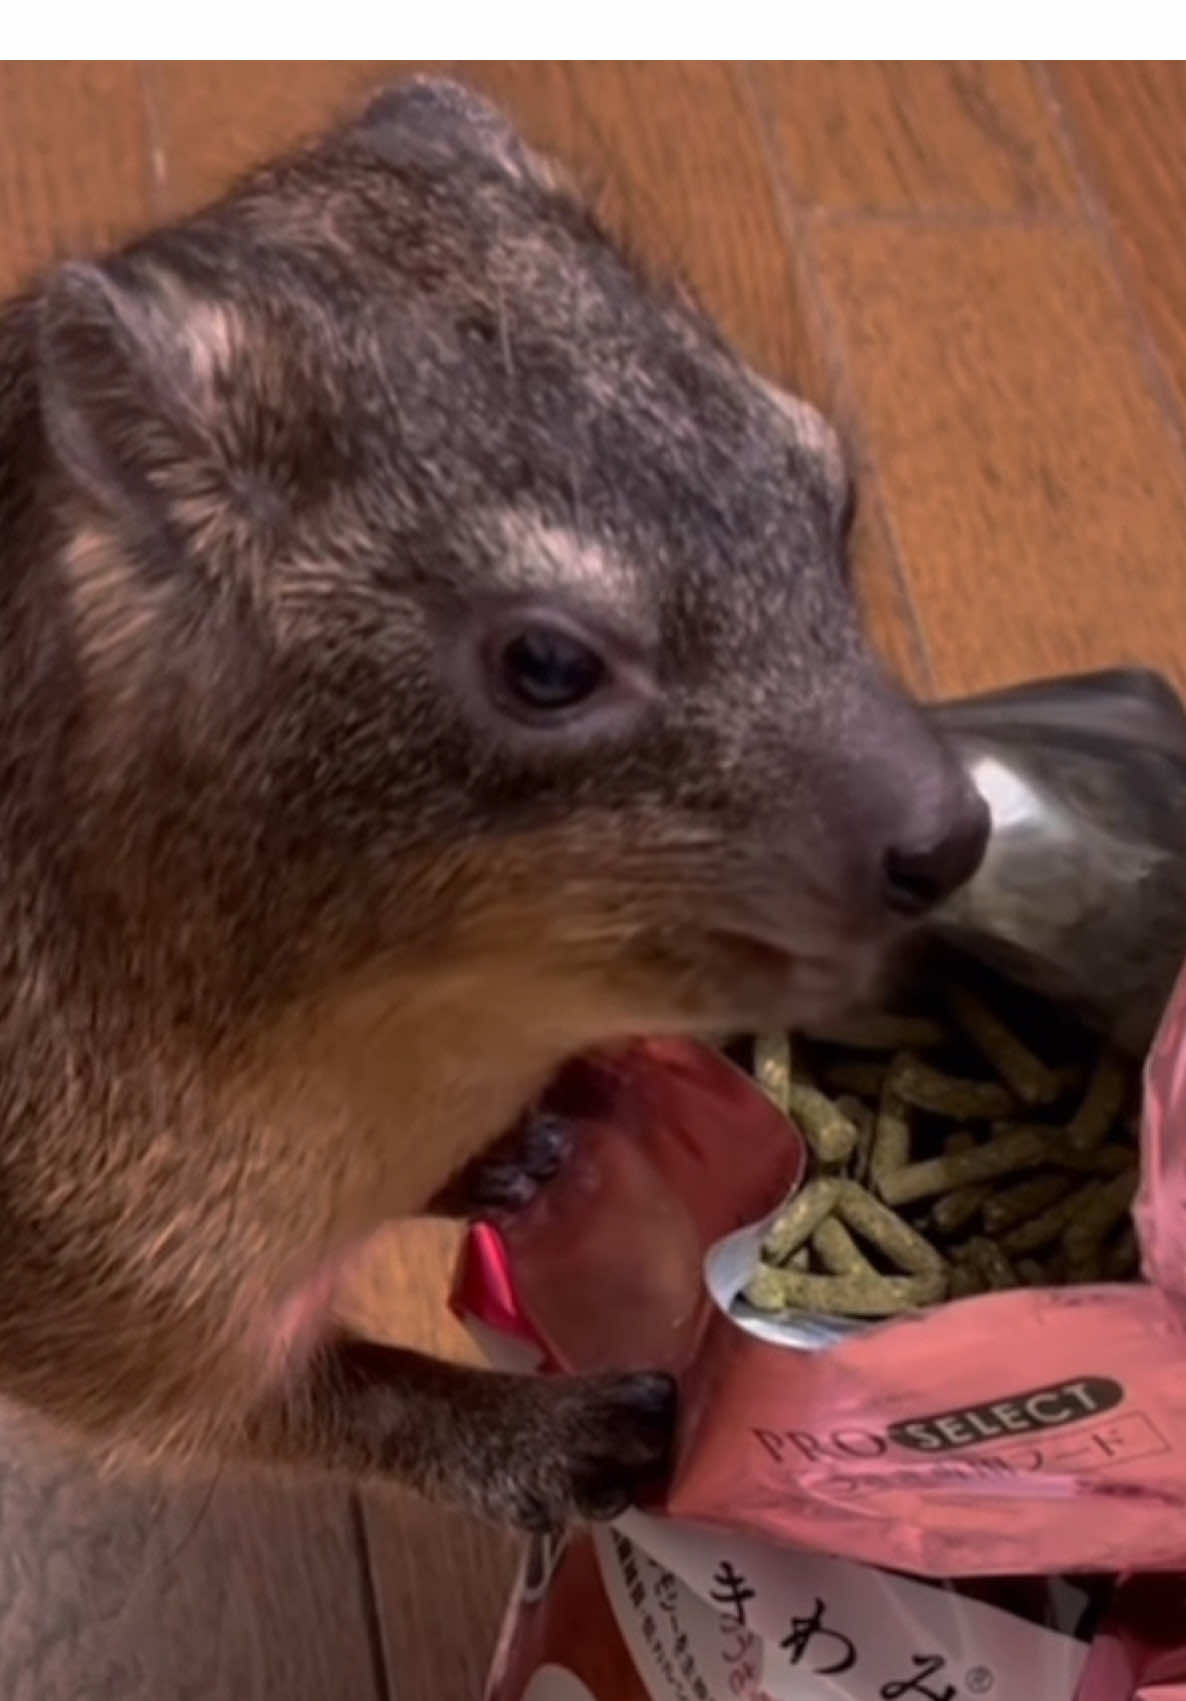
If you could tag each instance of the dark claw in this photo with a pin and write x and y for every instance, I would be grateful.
(611, 1442)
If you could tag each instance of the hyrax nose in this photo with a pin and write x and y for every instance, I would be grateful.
(917, 877)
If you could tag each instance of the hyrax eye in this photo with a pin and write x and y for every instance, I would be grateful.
(544, 668)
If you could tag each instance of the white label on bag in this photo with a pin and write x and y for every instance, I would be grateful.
(717, 1617)
(679, 1645)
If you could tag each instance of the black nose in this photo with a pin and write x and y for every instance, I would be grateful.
(917, 877)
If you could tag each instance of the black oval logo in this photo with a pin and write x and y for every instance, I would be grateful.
(1052, 1407)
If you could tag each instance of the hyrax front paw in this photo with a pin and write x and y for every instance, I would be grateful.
(607, 1439)
(509, 1175)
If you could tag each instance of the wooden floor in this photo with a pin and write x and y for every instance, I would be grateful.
(982, 272)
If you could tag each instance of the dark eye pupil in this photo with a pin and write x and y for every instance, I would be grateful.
(549, 669)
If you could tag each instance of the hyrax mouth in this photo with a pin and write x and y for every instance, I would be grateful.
(506, 1175)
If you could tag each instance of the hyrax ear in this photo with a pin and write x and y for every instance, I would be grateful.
(127, 365)
(433, 122)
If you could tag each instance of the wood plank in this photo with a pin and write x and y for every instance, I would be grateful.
(399, 1294)
(1129, 122)
(441, 1586)
(74, 165)
(1037, 494)
(248, 1588)
(918, 137)
(215, 118)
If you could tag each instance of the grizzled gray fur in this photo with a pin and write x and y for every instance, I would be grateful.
(426, 652)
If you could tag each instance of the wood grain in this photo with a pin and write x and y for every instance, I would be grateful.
(1129, 120)
(440, 1580)
(74, 167)
(441, 1584)
(240, 1588)
(215, 118)
(1038, 497)
(930, 137)
(399, 1293)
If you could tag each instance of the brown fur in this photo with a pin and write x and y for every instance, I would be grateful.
(295, 918)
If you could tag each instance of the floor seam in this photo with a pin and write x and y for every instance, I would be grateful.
(1110, 247)
(795, 225)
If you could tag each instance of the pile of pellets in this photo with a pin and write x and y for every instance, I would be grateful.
(948, 1157)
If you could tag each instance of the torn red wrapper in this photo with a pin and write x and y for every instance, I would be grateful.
(1037, 1431)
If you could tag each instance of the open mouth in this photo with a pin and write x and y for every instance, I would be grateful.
(506, 1174)
(777, 988)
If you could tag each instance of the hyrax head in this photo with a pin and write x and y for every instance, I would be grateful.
(451, 600)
